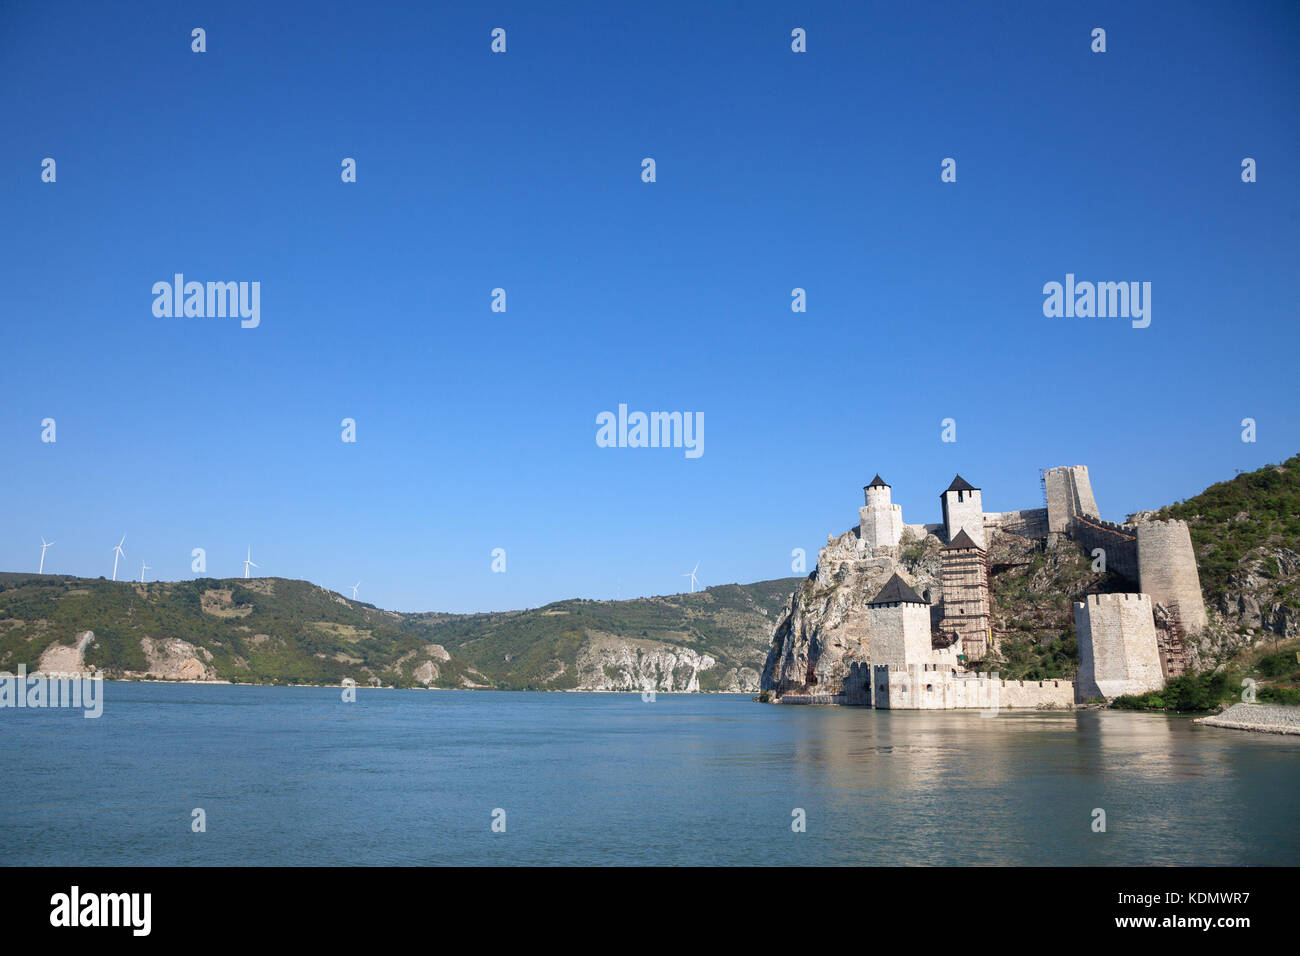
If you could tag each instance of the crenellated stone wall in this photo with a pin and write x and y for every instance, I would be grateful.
(932, 687)
(1028, 523)
(1119, 541)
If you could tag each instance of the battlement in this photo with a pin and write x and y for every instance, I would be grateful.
(1128, 530)
(1110, 599)
(927, 687)
(1119, 543)
(1118, 649)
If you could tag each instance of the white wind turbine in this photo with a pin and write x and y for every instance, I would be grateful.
(44, 544)
(354, 590)
(118, 553)
(248, 562)
(143, 568)
(691, 575)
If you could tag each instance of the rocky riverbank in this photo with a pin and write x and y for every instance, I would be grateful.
(1262, 718)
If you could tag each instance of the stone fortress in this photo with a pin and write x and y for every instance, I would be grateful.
(916, 652)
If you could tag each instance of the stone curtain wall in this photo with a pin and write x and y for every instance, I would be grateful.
(1167, 571)
(1119, 541)
(930, 687)
(1029, 523)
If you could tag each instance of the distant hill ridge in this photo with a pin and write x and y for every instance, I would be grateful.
(1246, 532)
(277, 630)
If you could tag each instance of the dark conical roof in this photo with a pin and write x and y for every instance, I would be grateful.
(877, 482)
(962, 540)
(960, 484)
(897, 590)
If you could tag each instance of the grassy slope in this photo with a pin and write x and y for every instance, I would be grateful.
(1236, 526)
(1236, 520)
(279, 630)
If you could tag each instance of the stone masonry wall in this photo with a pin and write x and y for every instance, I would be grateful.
(1167, 571)
(931, 687)
(1069, 493)
(1029, 523)
(880, 522)
(964, 511)
(898, 633)
(1119, 541)
(1118, 652)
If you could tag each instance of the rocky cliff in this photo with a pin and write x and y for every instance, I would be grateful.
(822, 629)
(1246, 533)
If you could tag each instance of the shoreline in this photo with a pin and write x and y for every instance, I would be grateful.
(1259, 718)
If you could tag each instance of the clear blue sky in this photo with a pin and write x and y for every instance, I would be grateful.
(476, 430)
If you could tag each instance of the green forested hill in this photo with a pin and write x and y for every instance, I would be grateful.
(277, 630)
(1238, 522)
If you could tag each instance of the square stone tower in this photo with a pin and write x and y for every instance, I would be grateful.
(966, 605)
(898, 625)
(1069, 493)
(963, 511)
(880, 522)
(1118, 652)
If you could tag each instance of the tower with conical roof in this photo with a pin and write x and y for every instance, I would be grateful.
(880, 521)
(963, 511)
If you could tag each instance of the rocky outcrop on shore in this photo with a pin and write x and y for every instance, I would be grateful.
(608, 663)
(1262, 718)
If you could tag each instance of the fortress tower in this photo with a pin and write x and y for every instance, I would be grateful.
(1167, 571)
(880, 522)
(1069, 493)
(963, 511)
(898, 625)
(1118, 652)
(966, 603)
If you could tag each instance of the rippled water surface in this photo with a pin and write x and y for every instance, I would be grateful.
(296, 776)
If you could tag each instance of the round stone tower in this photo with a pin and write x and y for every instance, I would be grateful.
(880, 522)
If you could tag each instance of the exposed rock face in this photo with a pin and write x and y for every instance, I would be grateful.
(1253, 608)
(823, 629)
(426, 673)
(1253, 598)
(606, 662)
(740, 680)
(61, 659)
(170, 658)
